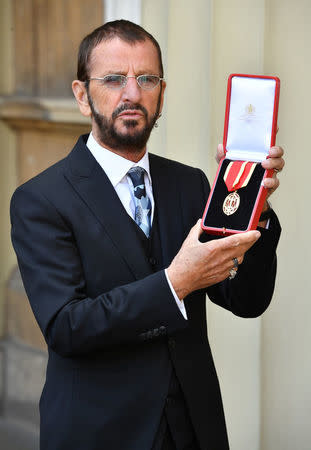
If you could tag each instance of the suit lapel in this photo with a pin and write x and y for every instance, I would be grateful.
(168, 204)
(92, 184)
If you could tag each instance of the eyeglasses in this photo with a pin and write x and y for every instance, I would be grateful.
(114, 81)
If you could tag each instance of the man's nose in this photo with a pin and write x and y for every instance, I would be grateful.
(131, 91)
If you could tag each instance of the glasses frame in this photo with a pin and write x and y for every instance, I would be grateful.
(125, 78)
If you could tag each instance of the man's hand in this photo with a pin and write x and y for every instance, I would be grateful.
(275, 162)
(199, 265)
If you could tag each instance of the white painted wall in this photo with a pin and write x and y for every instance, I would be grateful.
(155, 20)
(286, 334)
(122, 9)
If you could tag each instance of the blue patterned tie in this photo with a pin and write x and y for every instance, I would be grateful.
(142, 201)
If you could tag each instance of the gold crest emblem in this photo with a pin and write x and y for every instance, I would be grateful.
(250, 109)
(249, 113)
(231, 203)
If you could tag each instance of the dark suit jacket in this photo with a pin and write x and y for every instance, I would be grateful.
(107, 317)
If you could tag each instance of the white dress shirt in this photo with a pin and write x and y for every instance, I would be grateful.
(116, 168)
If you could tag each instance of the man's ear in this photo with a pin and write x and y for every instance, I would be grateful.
(79, 90)
(162, 95)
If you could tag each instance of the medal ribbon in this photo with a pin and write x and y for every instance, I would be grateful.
(238, 174)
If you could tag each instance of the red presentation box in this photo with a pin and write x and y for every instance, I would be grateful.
(238, 195)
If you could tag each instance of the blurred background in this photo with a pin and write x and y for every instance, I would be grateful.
(264, 364)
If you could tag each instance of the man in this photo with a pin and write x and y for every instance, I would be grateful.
(108, 247)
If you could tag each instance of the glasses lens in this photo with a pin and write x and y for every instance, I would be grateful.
(114, 81)
(148, 81)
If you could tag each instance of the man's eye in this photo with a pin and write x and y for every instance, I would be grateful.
(148, 78)
(148, 81)
(113, 80)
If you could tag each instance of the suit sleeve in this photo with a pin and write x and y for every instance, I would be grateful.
(250, 292)
(71, 322)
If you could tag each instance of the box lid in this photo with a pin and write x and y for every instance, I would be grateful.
(251, 116)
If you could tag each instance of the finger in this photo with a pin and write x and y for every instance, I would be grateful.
(195, 231)
(276, 152)
(224, 274)
(231, 265)
(273, 163)
(220, 149)
(243, 238)
(231, 262)
(275, 160)
(271, 183)
(240, 260)
(220, 152)
(239, 240)
(199, 228)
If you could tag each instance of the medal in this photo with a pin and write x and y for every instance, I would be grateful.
(231, 203)
(237, 176)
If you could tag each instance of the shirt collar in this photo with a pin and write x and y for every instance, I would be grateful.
(115, 166)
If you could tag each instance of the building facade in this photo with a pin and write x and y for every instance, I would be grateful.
(263, 364)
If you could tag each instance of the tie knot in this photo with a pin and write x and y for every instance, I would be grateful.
(136, 174)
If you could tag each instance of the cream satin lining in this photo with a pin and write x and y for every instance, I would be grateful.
(250, 118)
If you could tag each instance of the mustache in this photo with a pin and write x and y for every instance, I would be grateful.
(129, 107)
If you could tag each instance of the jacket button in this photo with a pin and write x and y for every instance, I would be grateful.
(152, 261)
(162, 329)
(171, 343)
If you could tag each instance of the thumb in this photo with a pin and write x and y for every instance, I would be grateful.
(196, 230)
(220, 152)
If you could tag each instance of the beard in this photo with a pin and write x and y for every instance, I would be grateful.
(133, 140)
